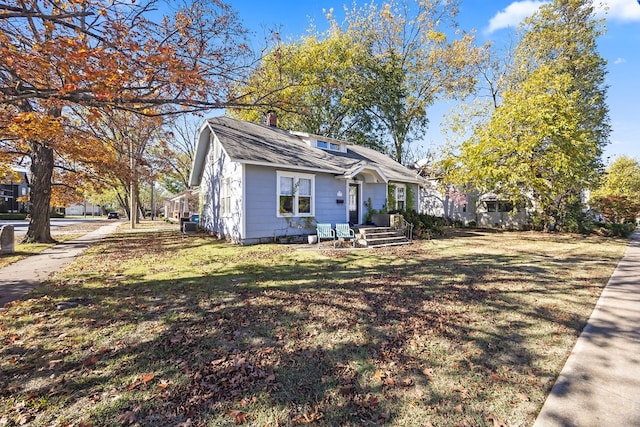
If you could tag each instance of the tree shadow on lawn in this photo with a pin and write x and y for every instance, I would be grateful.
(326, 340)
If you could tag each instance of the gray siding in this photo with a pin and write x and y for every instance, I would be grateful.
(377, 193)
(327, 208)
(260, 203)
(262, 221)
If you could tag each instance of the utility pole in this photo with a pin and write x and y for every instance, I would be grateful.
(133, 209)
(153, 203)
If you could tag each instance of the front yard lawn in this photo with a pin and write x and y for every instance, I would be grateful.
(158, 329)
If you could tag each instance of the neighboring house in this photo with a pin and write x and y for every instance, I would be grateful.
(85, 209)
(482, 210)
(181, 205)
(14, 192)
(258, 182)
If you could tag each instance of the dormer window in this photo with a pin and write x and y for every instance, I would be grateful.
(328, 145)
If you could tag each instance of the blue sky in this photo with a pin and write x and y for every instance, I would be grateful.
(495, 21)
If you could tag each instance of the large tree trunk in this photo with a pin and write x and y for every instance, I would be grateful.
(41, 171)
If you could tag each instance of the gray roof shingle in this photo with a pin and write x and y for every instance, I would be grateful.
(254, 143)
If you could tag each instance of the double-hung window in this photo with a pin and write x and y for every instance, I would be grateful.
(295, 194)
(401, 197)
(225, 197)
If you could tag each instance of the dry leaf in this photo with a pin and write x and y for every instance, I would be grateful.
(128, 417)
(239, 417)
(497, 422)
(90, 361)
(55, 362)
(23, 418)
(407, 382)
(145, 378)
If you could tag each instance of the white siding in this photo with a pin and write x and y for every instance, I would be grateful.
(218, 170)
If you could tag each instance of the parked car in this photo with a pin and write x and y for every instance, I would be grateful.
(113, 215)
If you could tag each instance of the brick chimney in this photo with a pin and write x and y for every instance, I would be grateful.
(272, 119)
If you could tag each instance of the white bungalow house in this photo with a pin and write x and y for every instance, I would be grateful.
(258, 182)
(181, 205)
(478, 209)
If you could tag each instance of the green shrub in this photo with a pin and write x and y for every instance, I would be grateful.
(424, 226)
(621, 230)
(13, 216)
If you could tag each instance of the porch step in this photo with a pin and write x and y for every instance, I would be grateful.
(375, 237)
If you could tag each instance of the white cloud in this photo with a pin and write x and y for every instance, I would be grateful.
(619, 10)
(514, 14)
(619, 61)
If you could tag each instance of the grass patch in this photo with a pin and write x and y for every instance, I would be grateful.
(468, 330)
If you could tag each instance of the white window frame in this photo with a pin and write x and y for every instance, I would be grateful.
(296, 177)
(225, 197)
(330, 146)
(404, 196)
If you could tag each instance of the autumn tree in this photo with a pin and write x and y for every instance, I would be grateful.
(175, 153)
(133, 139)
(310, 84)
(543, 144)
(103, 56)
(618, 196)
(413, 60)
(372, 78)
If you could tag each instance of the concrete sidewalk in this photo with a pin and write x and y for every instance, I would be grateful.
(19, 278)
(600, 382)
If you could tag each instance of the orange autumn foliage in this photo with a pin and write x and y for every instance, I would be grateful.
(64, 64)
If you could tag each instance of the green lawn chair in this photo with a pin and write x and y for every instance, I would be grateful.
(343, 231)
(324, 231)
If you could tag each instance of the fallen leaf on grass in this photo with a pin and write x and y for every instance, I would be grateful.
(497, 422)
(144, 378)
(309, 418)
(90, 361)
(23, 418)
(239, 417)
(407, 382)
(54, 363)
(128, 417)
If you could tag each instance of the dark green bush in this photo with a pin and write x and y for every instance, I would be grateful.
(617, 230)
(13, 216)
(424, 226)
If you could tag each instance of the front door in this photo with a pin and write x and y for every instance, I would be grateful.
(354, 204)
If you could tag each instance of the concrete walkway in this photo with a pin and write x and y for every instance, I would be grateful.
(600, 382)
(19, 278)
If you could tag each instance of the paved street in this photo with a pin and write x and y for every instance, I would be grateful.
(21, 226)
